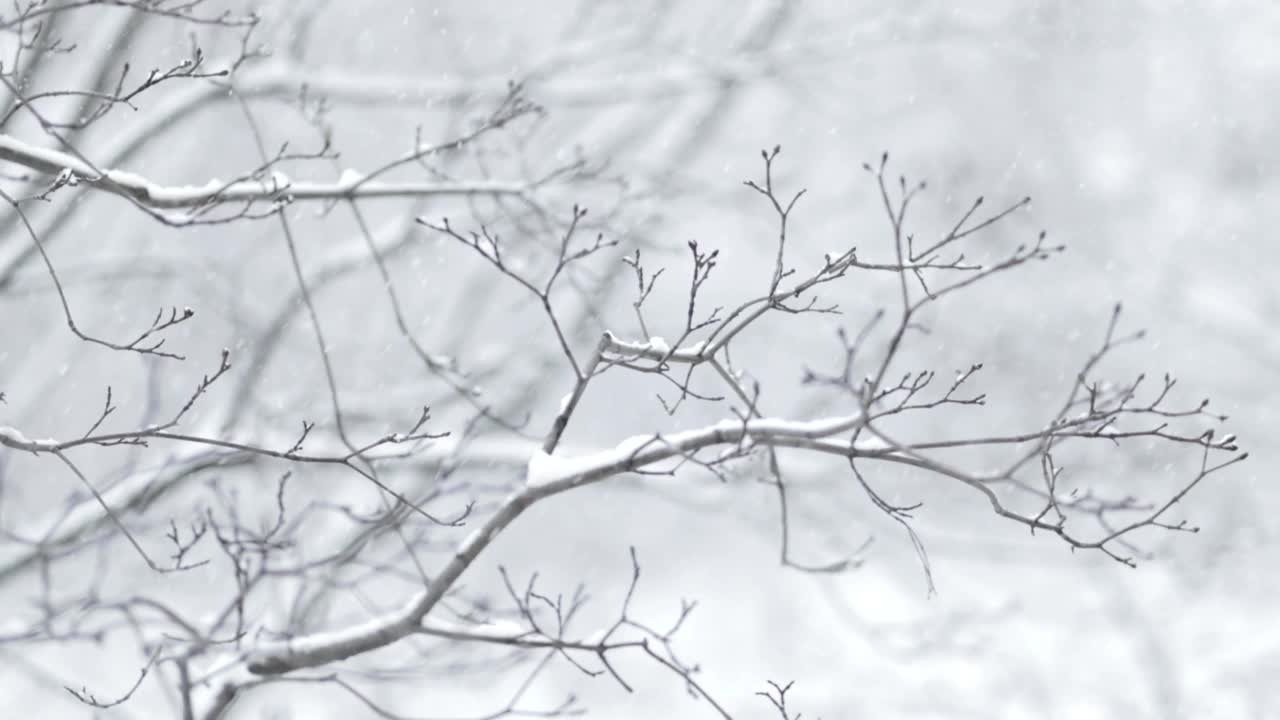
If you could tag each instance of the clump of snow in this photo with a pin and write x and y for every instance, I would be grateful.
(184, 193)
(129, 179)
(542, 469)
(658, 344)
(634, 443)
(350, 177)
(14, 436)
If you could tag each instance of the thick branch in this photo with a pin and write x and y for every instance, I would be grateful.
(277, 187)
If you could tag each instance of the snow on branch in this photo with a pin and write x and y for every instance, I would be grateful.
(549, 473)
(277, 187)
(546, 475)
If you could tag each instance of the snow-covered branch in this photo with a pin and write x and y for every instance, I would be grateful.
(547, 475)
(276, 188)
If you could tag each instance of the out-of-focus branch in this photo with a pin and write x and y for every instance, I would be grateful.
(282, 78)
(181, 10)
